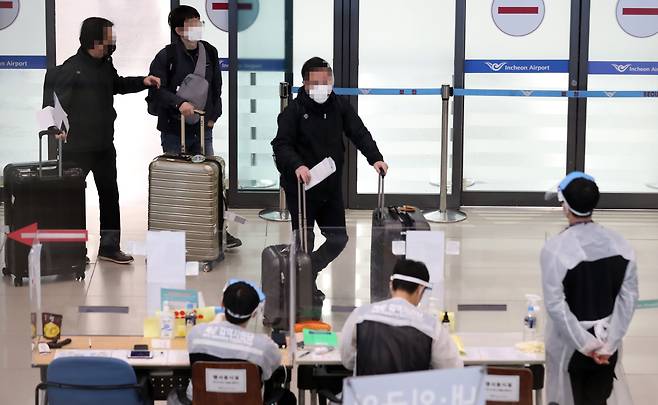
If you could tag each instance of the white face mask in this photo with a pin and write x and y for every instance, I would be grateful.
(320, 93)
(194, 34)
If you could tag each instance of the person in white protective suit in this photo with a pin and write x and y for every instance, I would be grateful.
(590, 286)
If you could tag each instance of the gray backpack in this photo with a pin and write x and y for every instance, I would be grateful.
(194, 88)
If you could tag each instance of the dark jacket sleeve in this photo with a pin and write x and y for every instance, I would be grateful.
(357, 132)
(285, 155)
(60, 80)
(126, 85)
(215, 85)
(164, 96)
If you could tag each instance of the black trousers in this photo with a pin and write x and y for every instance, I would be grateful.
(591, 383)
(103, 165)
(329, 214)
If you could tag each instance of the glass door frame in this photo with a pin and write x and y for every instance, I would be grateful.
(346, 72)
(350, 65)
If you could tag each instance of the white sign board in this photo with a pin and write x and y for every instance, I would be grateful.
(217, 11)
(226, 381)
(8, 12)
(502, 388)
(638, 18)
(518, 17)
(429, 247)
(165, 265)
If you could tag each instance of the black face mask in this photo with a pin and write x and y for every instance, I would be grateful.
(109, 49)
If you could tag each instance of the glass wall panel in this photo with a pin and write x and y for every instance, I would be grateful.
(261, 51)
(621, 132)
(405, 46)
(515, 144)
(22, 68)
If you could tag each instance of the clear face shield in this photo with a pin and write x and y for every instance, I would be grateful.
(257, 313)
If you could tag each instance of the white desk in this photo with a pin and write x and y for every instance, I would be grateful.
(481, 349)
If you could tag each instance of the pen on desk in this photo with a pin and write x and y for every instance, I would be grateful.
(89, 343)
(306, 353)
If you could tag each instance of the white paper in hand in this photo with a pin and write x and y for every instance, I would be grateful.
(45, 118)
(320, 172)
(60, 115)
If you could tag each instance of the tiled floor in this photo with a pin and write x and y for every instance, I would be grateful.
(497, 264)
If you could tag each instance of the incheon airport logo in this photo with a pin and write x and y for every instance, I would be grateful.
(8, 13)
(621, 68)
(496, 67)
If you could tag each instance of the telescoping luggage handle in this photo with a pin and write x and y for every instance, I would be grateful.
(380, 192)
(202, 132)
(50, 132)
(301, 215)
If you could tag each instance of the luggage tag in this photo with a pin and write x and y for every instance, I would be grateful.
(233, 217)
(399, 247)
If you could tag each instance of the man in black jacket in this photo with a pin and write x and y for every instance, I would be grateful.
(172, 64)
(85, 86)
(311, 129)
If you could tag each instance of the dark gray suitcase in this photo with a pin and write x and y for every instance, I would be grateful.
(275, 271)
(389, 224)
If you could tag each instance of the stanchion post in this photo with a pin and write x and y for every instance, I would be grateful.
(280, 214)
(445, 215)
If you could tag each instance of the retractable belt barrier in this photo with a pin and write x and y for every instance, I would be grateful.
(344, 91)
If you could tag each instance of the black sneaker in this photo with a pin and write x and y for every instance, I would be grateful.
(116, 257)
(232, 241)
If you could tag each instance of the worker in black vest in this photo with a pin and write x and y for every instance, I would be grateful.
(311, 129)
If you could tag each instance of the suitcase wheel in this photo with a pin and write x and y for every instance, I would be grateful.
(5, 272)
(80, 277)
(18, 281)
(207, 267)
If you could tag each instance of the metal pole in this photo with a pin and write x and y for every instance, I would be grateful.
(445, 215)
(280, 214)
(292, 304)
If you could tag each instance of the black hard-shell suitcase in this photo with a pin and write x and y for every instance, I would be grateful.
(389, 224)
(54, 198)
(275, 278)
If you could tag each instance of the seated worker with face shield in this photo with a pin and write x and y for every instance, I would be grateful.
(394, 336)
(589, 280)
(229, 340)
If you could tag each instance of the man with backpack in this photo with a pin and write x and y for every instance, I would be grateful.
(187, 85)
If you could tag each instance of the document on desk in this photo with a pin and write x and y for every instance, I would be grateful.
(83, 353)
(320, 172)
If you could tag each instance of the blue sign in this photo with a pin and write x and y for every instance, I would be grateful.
(458, 386)
(23, 62)
(516, 66)
(623, 68)
(256, 65)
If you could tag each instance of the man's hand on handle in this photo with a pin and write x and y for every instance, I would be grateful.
(381, 167)
(187, 109)
(303, 174)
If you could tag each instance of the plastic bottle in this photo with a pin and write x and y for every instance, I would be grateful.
(445, 322)
(190, 317)
(166, 322)
(531, 319)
